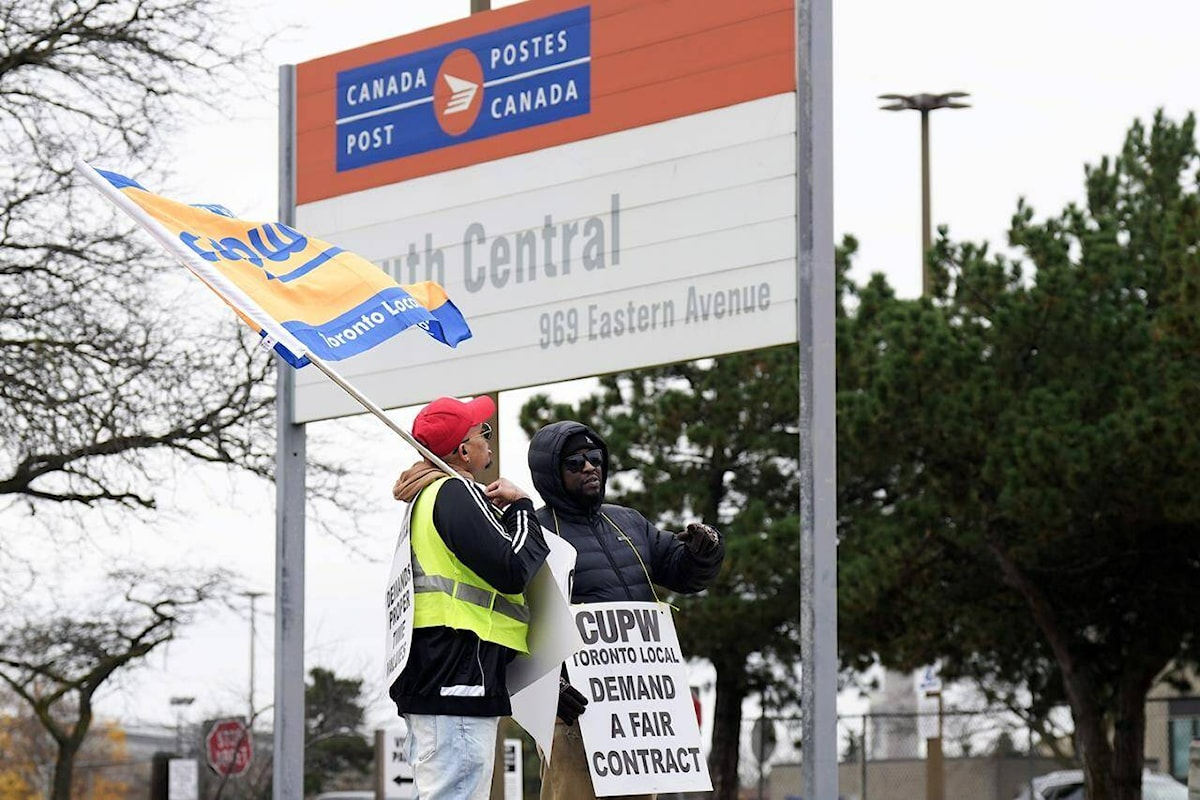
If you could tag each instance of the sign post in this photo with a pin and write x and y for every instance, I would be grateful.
(762, 740)
(815, 306)
(935, 775)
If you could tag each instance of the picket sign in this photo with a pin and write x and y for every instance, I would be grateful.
(639, 729)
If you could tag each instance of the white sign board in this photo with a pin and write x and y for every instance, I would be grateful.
(639, 728)
(609, 185)
(397, 771)
(931, 680)
(183, 779)
(929, 701)
(652, 245)
(398, 601)
(553, 638)
(514, 773)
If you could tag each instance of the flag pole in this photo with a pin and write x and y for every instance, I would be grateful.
(377, 411)
(237, 299)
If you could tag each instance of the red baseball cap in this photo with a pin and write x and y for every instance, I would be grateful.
(444, 423)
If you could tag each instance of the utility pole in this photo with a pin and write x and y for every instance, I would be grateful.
(179, 703)
(253, 597)
(924, 103)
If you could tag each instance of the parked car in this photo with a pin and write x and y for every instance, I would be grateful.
(1067, 784)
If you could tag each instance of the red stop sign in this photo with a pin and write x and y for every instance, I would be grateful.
(229, 747)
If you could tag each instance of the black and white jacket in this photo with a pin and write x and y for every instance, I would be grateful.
(452, 671)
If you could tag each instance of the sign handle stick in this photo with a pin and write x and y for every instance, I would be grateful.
(377, 411)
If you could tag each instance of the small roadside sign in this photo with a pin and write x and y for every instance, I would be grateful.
(931, 680)
(762, 739)
(183, 779)
(514, 780)
(229, 747)
(391, 759)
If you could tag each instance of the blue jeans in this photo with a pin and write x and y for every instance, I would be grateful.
(452, 757)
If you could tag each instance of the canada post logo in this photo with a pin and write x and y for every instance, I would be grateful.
(506, 80)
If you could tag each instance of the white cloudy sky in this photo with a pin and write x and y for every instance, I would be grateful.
(1053, 85)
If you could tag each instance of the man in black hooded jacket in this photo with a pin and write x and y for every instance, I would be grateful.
(620, 554)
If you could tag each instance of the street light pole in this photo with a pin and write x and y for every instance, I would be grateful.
(924, 103)
(926, 213)
(935, 774)
(179, 703)
(253, 596)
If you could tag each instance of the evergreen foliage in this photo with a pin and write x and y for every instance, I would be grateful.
(1018, 456)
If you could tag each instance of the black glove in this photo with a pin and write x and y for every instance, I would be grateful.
(570, 702)
(701, 539)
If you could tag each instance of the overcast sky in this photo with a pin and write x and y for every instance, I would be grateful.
(1053, 86)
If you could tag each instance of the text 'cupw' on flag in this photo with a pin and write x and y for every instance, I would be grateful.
(302, 295)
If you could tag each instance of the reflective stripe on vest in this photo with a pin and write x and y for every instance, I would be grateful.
(467, 593)
(447, 593)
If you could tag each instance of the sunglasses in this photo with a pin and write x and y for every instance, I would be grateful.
(486, 433)
(574, 463)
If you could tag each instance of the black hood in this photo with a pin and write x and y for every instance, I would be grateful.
(545, 457)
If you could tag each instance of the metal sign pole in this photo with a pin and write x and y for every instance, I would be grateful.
(818, 442)
(288, 766)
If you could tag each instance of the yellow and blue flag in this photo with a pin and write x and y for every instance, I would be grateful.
(329, 302)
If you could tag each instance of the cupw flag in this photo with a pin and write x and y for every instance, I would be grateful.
(303, 296)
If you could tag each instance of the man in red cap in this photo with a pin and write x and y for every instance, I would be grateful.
(474, 550)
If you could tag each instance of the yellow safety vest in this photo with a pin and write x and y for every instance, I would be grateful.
(446, 593)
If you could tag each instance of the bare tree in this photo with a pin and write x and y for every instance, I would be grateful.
(54, 663)
(103, 767)
(97, 366)
(103, 362)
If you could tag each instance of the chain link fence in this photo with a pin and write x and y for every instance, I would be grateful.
(987, 753)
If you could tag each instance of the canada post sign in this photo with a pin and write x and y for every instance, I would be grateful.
(506, 80)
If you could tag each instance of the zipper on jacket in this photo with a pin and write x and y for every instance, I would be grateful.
(592, 519)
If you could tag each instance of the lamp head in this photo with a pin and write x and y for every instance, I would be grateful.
(923, 102)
